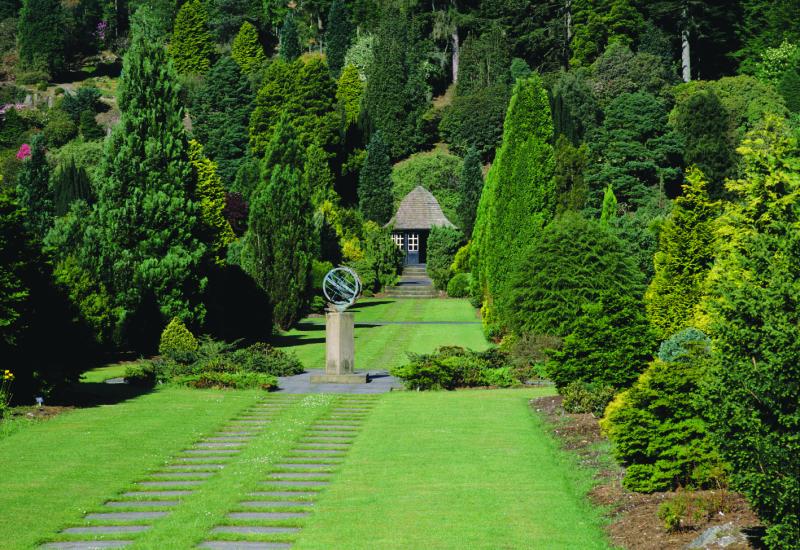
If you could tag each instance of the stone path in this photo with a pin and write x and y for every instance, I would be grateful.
(274, 511)
(379, 382)
(269, 516)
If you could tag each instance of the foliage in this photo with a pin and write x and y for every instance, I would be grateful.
(280, 241)
(610, 206)
(443, 243)
(571, 263)
(570, 166)
(437, 171)
(265, 359)
(381, 261)
(575, 107)
(12, 129)
(40, 37)
(192, 46)
(454, 367)
(318, 176)
(484, 62)
(476, 120)
(349, 91)
(85, 98)
(375, 182)
(587, 398)
(597, 23)
(177, 342)
(88, 127)
(470, 187)
(33, 190)
(339, 35)
(13, 289)
(658, 430)
(681, 345)
(775, 62)
(458, 287)
(609, 345)
(290, 42)
(360, 54)
(70, 183)
(247, 51)
(684, 257)
(59, 128)
(619, 71)
(753, 302)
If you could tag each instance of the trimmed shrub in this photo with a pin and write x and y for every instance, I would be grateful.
(476, 120)
(177, 342)
(458, 287)
(143, 374)
(263, 358)
(443, 244)
(233, 380)
(453, 367)
(657, 429)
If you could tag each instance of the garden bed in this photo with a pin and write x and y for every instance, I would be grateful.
(634, 522)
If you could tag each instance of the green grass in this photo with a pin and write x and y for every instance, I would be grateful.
(101, 374)
(383, 347)
(467, 469)
(56, 469)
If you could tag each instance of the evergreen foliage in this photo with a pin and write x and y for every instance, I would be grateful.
(470, 187)
(318, 177)
(375, 182)
(485, 62)
(381, 261)
(290, 41)
(220, 116)
(754, 307)
(571, 263)
(88, 127)
(570, 166)
(349, 91)
(682, 344)
(177, 342)
(209, 195)
(247, 51)
(476, 120)
(192, 46)
(40, 36)
(339, 35)
(437, 171)
(443, 243)
(597, 23)
(610, 205)
(283, 149)
(33, 190)
(13, 290)
(684, 257)
(70, 183)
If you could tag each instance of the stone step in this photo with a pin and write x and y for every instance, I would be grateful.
(87, 544)
(197, 466)
(275, 503)
(141, 503)
(253, 529)
(242, 545)
(277, 483)
(122, 516)
(303, 465)
(105, 529)
(299, 475)
(210, 452)
(133, 494)
(283, 494)
(267, 515)
(179, 475)
(170, 483)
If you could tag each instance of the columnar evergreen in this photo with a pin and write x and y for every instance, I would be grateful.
(246, 49)
(192, 46)
(349, 91)
(210, 198)
(290, 41)
(33, 182)
(375, 182)
(339, 34)
(471, 182)
(610, 205)
(70, 183)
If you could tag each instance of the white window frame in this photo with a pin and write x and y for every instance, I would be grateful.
(413, 242)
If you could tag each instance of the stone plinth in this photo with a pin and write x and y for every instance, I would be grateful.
(339, 351)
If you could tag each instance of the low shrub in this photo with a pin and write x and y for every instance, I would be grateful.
(143, 374)
(458, 287)
(686, 510)
(265, 359)
(453, 367)
(233, 380)
(59, 128)
(528, 353)
(177, 342)
(680, 345)
(580, 397)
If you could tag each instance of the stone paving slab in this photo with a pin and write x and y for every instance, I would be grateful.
(267, 515)
(253, 529)
(298, 475)
(283, 494)
(157, 493)
(296, 483)
(209, 452)
(176, 475)
(141, 503)
(166, 483)
(199, 465)
(241, 545)
(114, 516)
(217, 445)
(275, 503)
(105, 529)
(305, 452)
(87, 544)
(379, 382)
(302, 465)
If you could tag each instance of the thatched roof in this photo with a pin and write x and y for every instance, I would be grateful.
(419, 210)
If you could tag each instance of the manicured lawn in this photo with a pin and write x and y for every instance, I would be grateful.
(466, 469)
(53, 471)
(382, 347)
(102, 374)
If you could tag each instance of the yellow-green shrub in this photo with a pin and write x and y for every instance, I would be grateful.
(177, 342)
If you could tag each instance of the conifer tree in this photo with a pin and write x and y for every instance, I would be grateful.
(279, 85)
(192, 45)
(375, 182)
(89, 128)
(349, 91)
(140, 240)
(290, 41)
(33, 190)
(283, 149)
(220, 117)
(471, 183)
(246, 49)
(684, 256)
(339, 35)
(209, 195)
(40, 36)
(318, 176)
(13, 290)
(609, 210)
(70, 183)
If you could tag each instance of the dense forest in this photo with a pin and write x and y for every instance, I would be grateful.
(624, 177)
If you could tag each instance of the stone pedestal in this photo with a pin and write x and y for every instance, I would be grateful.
(339, 351)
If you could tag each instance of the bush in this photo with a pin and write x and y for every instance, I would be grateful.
(580, 397)
(453, 367)
(234, 380)
(263, 358)
(143, 374)
(476, 120)
(657, 429)
(382, 260)
(59, 128)
(611, 343)
(85, 99)
(458, 287)
(177, 342)
(443, 243)
(680, 345)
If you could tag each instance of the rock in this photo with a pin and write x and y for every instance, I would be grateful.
(719, 536)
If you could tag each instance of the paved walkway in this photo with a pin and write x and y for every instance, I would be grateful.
(379, 382)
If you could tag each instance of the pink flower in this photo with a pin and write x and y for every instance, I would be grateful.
(24, 151)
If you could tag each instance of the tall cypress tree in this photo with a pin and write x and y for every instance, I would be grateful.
(33, 190)
(192, 46)
(210, 197)
(471, 183)
(40, 36)
(246, 49)
(609, 210)
(375, 182)
(339, 35)
(290, 41)
(140, 240)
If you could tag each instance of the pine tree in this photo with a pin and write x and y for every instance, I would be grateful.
(280, 242)
(610, 205)
(283, 149)
(339, 35)
(140, 240)
(375, 182)
(40, 36)
(247, 51)
(684, 256)
(290, 41)
(192, 46)
(349, 91)
(278, 88)
(209, 195)
(471, 185)
(220, 117)
(70, 183)
(33, 190)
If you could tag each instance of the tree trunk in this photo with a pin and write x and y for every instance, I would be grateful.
(686, 58)
(456, 52)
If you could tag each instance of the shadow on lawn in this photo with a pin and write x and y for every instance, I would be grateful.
(361, 305)
(92, 394)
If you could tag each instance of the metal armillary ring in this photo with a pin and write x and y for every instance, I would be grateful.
(341, 287)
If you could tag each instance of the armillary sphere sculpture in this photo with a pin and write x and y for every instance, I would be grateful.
(341, 287)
